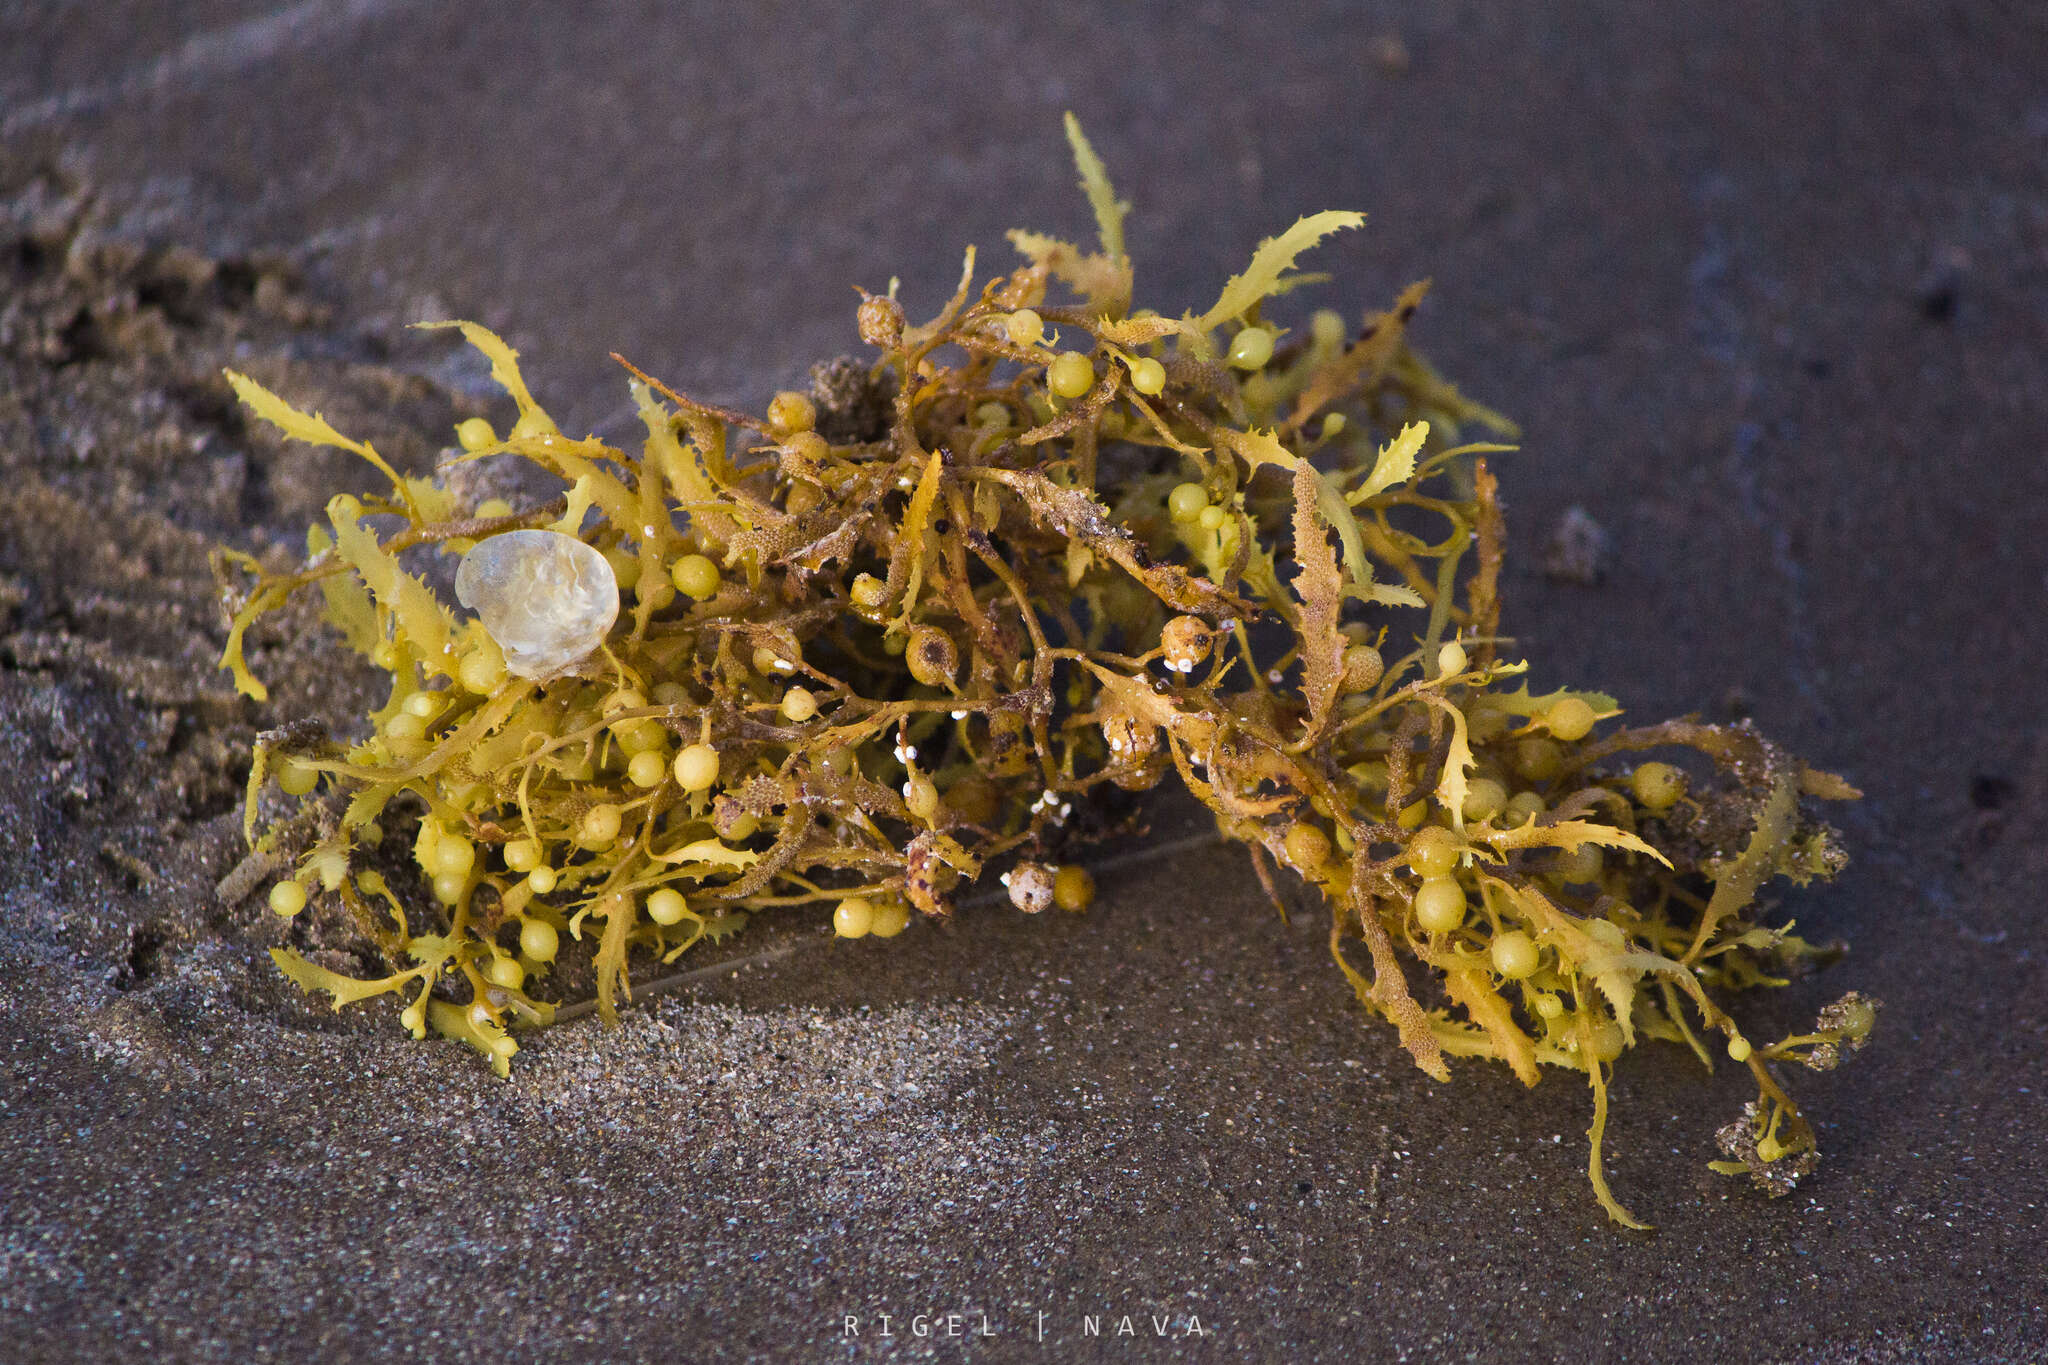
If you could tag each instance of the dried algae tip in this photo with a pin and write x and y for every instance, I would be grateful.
(920, 630)
(548, 599)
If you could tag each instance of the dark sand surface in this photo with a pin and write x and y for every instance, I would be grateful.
(1767, 286)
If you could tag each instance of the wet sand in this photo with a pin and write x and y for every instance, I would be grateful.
(1768, 292)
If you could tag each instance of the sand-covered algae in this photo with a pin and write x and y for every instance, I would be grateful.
(910, 630)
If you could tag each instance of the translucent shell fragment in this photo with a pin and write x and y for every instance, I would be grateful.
(546, 598)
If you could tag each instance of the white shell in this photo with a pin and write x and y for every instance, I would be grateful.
(546, 598)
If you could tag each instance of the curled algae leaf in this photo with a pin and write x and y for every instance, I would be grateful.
(922, 628)
(546, 598)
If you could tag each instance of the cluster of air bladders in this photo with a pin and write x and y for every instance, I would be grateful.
(897, 637)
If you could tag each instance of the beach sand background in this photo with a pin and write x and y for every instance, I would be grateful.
(1767, 287)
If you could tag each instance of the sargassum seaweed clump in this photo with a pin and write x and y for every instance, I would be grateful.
(905, 631)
